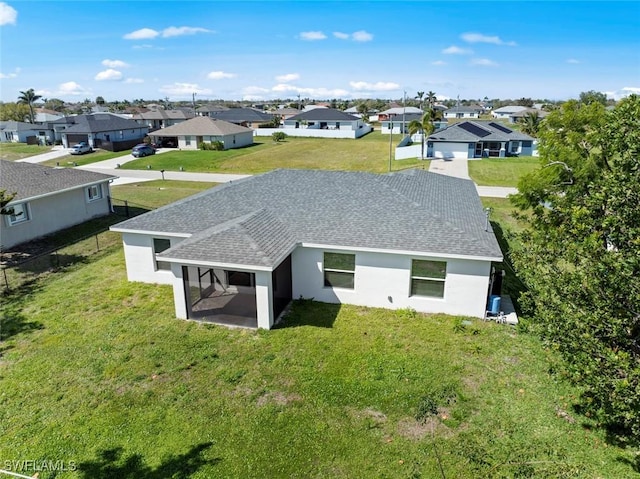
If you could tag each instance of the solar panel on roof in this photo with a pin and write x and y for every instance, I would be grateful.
(474, 129)
(500, 127)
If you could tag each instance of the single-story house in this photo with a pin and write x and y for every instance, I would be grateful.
(398, 111)
(49, 199)
(189, 134)
(463, 112)
(249, 117)
(400, 123)
(518, 116)
(285, 113)
(477, 139)
(238, 253)
(100, 130)
(157, 119)
(322, 118)
(22, 132)
(44, 115)
(206, 110)
(507, 111)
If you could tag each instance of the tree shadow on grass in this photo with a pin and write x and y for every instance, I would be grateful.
(12, 320)
(307, 312)
(512, 285)
(111, 463)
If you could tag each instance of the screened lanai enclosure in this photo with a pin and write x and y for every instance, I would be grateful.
(228, 297)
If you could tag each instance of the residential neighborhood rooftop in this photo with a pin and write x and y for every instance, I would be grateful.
(201, 125)
(253, 222)
(474, 130)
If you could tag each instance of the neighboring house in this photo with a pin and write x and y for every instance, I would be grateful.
(507, 111)
(158, 119)
(21, 132)
(518, 116)
(44, 115)
(398, 111)
(400, 123)
(206, 110)
(238, 253)
(477, 139)
(463, 112)
(325, 121)
(189, 134)
(286, 113)
(249, 117)
(49, 199)
(100, 130)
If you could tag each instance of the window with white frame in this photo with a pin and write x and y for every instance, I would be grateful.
(19, 213)
(515, 145)
(428, 278)
(339, 270)
(187, 140)
(160, 245)
(94, 192)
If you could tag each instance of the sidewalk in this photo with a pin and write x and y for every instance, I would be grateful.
(56, 152)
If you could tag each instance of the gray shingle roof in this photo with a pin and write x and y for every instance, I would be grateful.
(97, 122)
(11, 125)
(323, 114)
(255, 221)
(241, 115)
(163, 115)
(463, 109)
(29, 180)
(202, 125)
(458, 133)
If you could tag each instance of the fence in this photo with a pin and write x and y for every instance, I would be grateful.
(20, 268)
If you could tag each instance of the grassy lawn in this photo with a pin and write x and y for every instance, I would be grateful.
(370, 153)
(96, 370)
(17, 151)
(501, 171)
(80, 160)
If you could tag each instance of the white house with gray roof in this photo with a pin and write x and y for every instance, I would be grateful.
(321, 122)
(238, 253)
(189, 134)
(49, 199)
(478, 139)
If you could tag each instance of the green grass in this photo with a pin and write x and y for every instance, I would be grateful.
(153, 194)
(18, 151)
(501, 171)
(369, 153)
(97, 370)
(68, 161)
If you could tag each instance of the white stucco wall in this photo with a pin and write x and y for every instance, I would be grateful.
(140, 260)
(315, 132)
(52, 213)
(383, 280)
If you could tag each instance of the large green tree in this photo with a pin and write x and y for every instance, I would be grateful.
(28, 98)
(580, 254)
(13, 111)
(592, 96)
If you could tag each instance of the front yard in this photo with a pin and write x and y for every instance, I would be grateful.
(501, 171)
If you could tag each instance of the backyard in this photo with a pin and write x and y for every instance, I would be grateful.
(97, 373)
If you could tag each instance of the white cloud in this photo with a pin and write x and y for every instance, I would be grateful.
(14, 74)
(378, 86)
(622, 93)
(180, 31)
(134, 80)
(143, 46)
(341, 36)
(72, 88)
(184, 89)
(310, 36)
(573, 61)
(362, 36)
(220, 75)
(311, 92)
(484, 62)
(480, 38)
(254, 90)
(142, 34)
(454, 50)
(287, 77)
(438, 63)
(109, 74)
(8, 14)
(114, 63)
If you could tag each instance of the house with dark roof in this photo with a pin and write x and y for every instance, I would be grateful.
(100, 130)
(189, 134)
(49, 199)
(321, 122)
(238, 253)
(248, 117)
(158, 119)
(478, 139)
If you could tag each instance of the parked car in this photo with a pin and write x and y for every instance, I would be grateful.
(81, 148)
(142, 150)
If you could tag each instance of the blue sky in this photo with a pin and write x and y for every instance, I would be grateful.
(275, 49)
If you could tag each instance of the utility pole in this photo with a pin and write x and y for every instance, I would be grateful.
(194, 101)
(404, 110)
(390, 139)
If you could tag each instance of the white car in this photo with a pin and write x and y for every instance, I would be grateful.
(81, 148)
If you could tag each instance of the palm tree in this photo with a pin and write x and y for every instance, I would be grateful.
(419, 96)
(425, 126)
(431, 99)
(29, 97)
(531, 123)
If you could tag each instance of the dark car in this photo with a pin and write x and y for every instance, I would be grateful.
(142, 150)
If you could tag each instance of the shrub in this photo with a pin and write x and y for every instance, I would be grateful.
(278, 136)
(217, 145)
